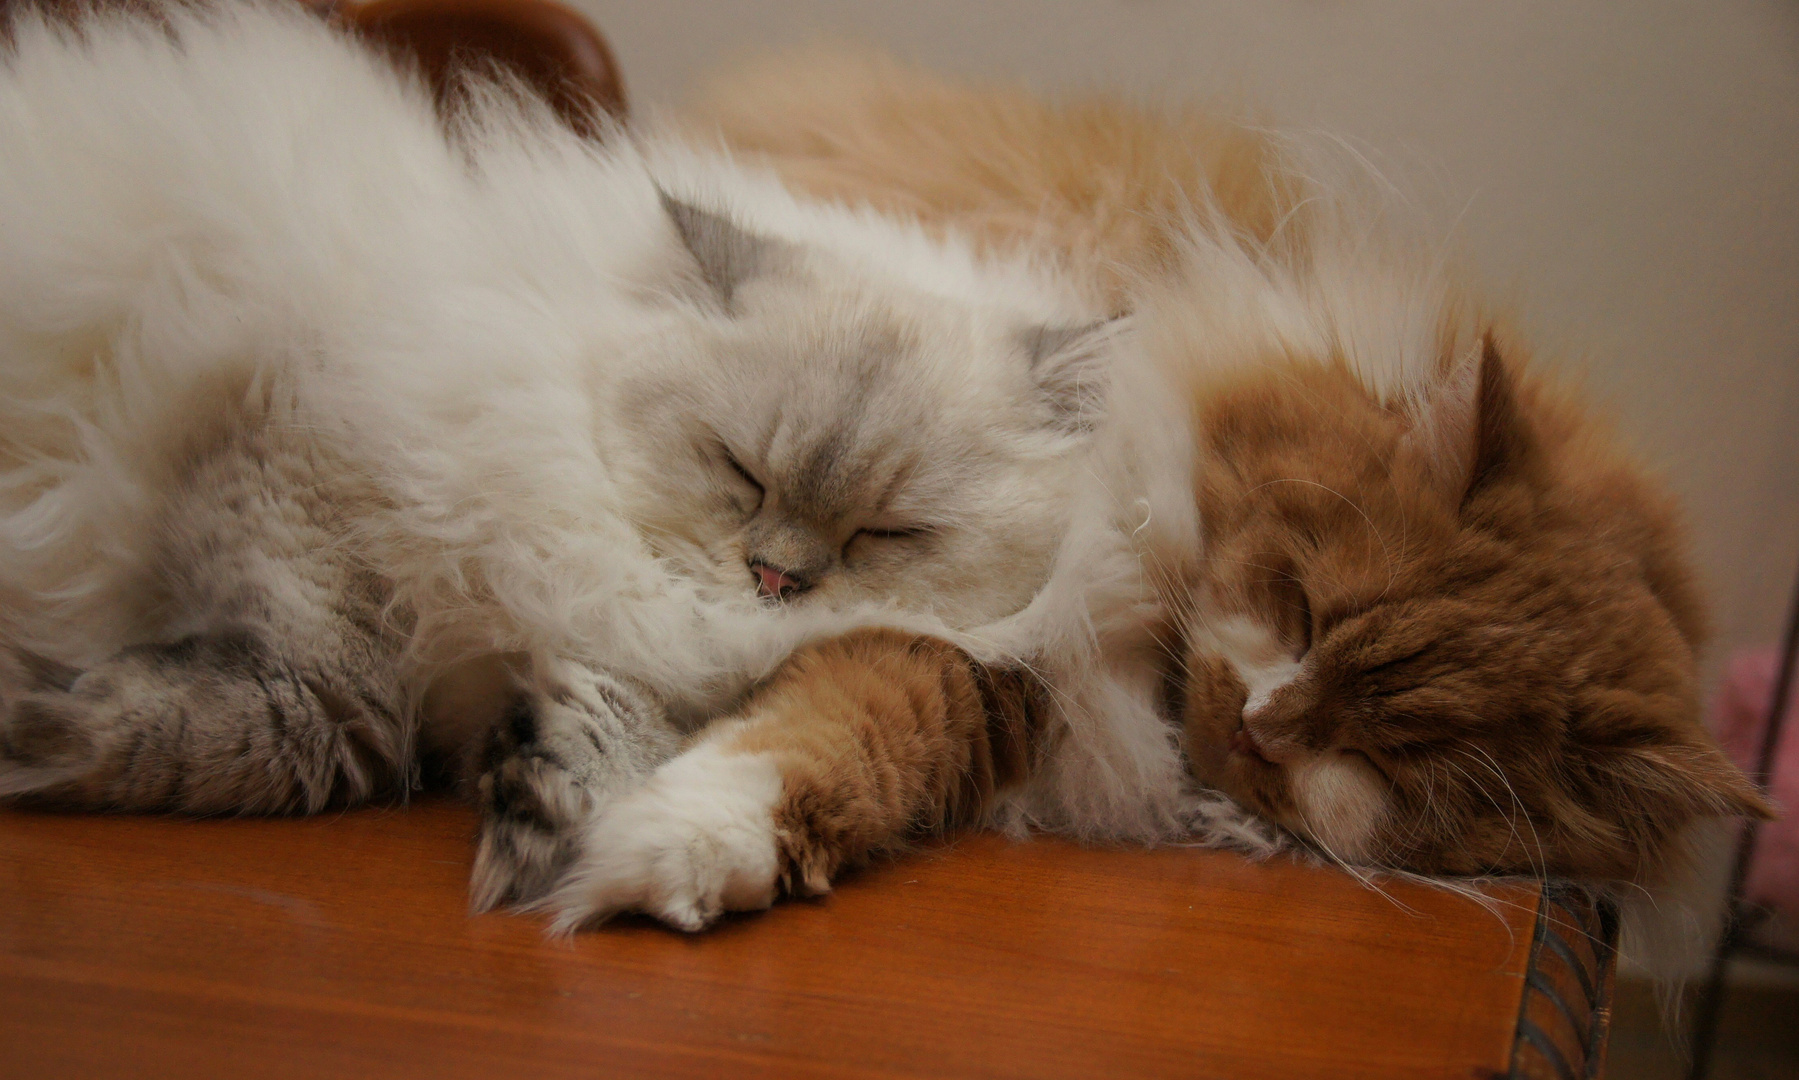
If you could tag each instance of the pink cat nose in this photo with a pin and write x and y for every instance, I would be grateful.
(774, 583)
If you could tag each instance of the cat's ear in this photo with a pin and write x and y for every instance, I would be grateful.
(1637, 794)
(1468, 430)
(1687, 777)
(1068, 364)
(726, 255)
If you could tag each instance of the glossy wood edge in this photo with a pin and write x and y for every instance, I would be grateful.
(1564, 1011)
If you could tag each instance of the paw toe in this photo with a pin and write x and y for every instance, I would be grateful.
(686, 915)
(515, 864)
(45, 731)
(531, 820)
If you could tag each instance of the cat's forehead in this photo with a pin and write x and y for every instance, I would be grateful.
(1265, 418)
(847, 385)
(849, 471)
(833, 340)
(854, 452)
(1306, 451)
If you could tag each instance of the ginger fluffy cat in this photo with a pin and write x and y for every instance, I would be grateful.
(1347, 556)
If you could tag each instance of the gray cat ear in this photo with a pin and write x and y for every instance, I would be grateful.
(1469, 429)
(727, 256)
(1068, 364)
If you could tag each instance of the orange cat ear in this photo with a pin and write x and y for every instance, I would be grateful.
(1640, 794)
(1692, 777)
(1469, 429)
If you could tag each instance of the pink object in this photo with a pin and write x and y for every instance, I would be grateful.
(772, 583)
(1738, 715)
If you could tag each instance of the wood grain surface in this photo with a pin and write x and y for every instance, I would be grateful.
(341, 947)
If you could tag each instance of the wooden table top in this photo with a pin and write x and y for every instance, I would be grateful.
(341, 947)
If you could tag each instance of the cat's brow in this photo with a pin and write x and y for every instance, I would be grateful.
(1386, 552)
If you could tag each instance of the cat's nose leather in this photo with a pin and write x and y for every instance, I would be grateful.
(1275, 749)
(1242, 742)
(773, 583)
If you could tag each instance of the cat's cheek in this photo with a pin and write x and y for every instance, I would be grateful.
(696, 840)
(1260, 786)
(1339, 801)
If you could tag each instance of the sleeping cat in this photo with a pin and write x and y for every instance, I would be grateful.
(1342, 552)
(328, 441)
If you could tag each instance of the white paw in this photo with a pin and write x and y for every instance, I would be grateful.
(696, 840)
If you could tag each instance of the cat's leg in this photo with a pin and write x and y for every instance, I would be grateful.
(232, 721)
(269, 683)
(569, 740)
(856, 745)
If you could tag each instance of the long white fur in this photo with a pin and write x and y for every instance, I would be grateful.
(696, 840)
(467, 303)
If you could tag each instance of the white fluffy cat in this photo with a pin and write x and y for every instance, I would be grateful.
(327, 439)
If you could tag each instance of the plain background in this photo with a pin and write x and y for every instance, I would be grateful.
(1626, 174)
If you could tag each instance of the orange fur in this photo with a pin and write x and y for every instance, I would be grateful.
(881, 736)
(1093, 182)
(1489, 607)
(1513, 652)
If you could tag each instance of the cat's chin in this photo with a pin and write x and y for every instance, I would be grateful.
(1335, 801)
(711, 586)
(1340, 800)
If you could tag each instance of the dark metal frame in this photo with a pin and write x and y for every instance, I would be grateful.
(1740, 923)
(1565, 1008)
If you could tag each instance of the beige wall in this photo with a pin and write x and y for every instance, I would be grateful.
(1628, 172)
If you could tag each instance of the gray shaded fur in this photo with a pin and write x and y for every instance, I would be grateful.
(726, 255)
(271, 686)
(277, 688)
(550, 763)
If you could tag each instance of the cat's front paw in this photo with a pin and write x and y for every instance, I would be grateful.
(46, 736)
(697, 840)
(531, 817)
(556, 755)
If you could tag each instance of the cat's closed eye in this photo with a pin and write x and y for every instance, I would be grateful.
(1374, 760)
(1291, 609)
(756, 489)
(888, 536)
(1390, 667)
(913, 532)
